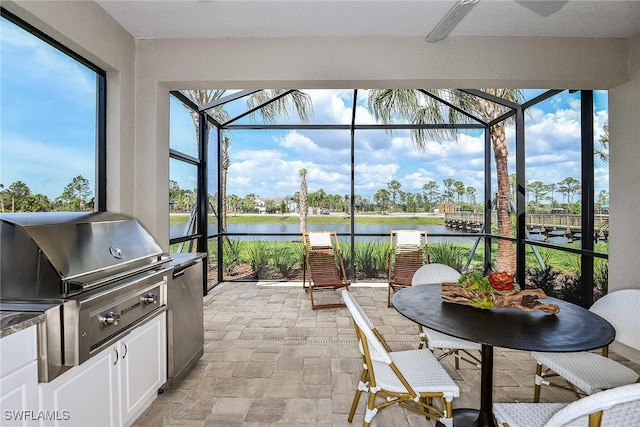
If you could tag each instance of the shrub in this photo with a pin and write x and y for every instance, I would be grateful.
(284, 259)
(231, 255)
(259, 255)
(571, 290)
(448, 253)
(601, 275)
(544, 278)
(382, 256)
(365, 258)
(345, 249)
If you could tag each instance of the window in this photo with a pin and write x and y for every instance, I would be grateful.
(52, 113)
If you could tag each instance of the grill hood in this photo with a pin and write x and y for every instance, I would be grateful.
(55, 255)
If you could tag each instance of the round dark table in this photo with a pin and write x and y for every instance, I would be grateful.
(573, 329)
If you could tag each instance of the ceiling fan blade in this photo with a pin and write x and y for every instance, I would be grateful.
(450, 20)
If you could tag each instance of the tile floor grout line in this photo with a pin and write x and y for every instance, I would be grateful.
(293, 341)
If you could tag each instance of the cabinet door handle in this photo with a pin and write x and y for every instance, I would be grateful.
(117, 356)
(126, 350)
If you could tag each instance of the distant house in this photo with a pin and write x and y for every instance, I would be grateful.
(261, 204)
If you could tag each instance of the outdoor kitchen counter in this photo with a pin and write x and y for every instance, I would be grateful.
(15, 321)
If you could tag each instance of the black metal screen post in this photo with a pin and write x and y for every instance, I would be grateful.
(520, 199)
(487, 199)
(352, 267)
(101, 142)
(220, 206)
(587, 200)
(202, 219)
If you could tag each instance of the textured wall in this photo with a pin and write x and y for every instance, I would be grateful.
(624, 177)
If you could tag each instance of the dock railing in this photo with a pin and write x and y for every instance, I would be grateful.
(541, 223)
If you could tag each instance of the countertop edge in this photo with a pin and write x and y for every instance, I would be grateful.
(15, 321)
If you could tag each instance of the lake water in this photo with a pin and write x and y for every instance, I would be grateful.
(177, 230)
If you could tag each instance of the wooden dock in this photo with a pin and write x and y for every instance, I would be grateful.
(544, 226)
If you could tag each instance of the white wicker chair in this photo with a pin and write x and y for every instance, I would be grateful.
(616, 407)
(435, 274)
(410, 378)
(585, 372)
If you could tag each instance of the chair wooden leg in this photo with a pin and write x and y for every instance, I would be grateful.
(389, 304)
(313, 305)
(457, 359)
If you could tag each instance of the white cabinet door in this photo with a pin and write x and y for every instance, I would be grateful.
(18, 350)
(143, 362)
(19, 397)
(87, 395)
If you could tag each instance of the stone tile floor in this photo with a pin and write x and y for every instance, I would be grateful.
(269, 360)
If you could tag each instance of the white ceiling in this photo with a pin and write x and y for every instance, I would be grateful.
(286, 18)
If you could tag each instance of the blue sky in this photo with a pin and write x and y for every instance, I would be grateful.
(47, 114)
(47, 137)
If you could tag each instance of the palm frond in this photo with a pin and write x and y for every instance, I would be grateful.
(277, 109)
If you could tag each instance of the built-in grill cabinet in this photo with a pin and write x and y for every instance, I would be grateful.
(98, 275)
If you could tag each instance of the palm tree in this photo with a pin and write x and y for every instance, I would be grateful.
(448, 189)
(302, 204)
(269, 113)
(430, 190)
(223, 185)
(553, 188)
(604, 141)
(418, 108)
(394, 189)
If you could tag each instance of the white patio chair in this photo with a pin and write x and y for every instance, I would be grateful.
(586, 373)
(616, 407)
(409, 378)
(435, 274)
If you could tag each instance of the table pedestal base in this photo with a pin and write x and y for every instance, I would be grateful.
(467, 417)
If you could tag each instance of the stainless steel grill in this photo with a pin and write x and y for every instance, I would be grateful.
(96, 276)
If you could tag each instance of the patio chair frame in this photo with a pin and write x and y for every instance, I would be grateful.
(618, 308)
(613, 407)
(405, 258)
(323, 266)
(433, 274)
(419, 402)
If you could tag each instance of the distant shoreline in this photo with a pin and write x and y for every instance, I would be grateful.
(334, 218)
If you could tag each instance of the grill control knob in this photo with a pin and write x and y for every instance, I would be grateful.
(150, 298)
(110, 318)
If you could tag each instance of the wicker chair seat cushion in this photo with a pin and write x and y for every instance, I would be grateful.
(421, 369)
(439, 340)
(620, 406)
(589, 372)
(525, 414)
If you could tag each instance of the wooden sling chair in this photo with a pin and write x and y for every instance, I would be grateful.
(323, 267)
(407, 253)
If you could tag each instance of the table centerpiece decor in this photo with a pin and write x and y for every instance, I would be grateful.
(498, 290)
